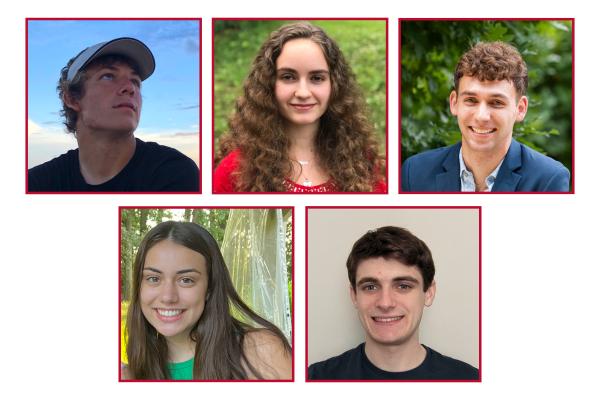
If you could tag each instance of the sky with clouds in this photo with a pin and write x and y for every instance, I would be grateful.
(171, 96)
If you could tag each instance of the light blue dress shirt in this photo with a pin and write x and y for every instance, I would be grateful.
(467, 180)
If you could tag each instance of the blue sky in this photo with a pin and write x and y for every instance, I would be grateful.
(171, 98)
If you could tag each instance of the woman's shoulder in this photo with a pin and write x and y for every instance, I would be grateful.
(223, 181)
(268, 354)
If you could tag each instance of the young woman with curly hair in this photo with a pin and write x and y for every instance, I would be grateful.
(181, 323)
(301, 124)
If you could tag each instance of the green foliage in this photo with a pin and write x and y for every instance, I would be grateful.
(430, 51)
(236, 44)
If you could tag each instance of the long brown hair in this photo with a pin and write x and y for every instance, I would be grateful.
(345, 142)
(219, 337)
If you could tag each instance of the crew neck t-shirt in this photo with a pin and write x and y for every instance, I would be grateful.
(153, 168)
(354, 365)
(182, 371)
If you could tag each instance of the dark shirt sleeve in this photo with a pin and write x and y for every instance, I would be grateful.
(178, 175)
(56, 175)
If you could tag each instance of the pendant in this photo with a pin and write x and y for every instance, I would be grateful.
(307, 182)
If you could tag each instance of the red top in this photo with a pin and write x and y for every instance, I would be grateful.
(223, 181)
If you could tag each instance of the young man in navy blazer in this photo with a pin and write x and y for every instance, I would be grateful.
(490, 83)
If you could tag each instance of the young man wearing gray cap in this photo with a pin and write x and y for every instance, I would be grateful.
(100, 90)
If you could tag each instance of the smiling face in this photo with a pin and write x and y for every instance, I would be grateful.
(389, 298)
(486, 112)
(303, 83)
(173, 289)
(112, 99)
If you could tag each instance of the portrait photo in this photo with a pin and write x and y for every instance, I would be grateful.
(487, 105)
(205, 294)
(300, 106)
(113, 106)
(392, 295)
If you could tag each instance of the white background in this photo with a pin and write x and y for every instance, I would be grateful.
(59, 329)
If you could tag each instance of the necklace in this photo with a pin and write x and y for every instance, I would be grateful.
(306, 181)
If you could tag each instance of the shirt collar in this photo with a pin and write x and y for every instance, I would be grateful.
(467, 180)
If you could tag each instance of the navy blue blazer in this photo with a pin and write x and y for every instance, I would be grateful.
(523, 170)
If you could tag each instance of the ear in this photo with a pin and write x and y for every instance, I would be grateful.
(522, 108)
(430, 294)
(71, 102)
(353, 295)
(453, 102)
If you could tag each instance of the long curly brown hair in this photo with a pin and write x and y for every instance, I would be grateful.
(345, 142)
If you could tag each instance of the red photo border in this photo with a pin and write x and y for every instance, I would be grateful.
(199, 20)
(478, 208)
(205, 208)
(386, 19)
(572, 20)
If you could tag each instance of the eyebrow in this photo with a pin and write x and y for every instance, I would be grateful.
(182, 271)
(317, 71)
(475, 94)
(113, 68)
(369, 279)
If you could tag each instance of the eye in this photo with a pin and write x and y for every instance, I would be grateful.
(404, 286)
(471, 100)
(318, 78)
(152, 279)
(186, 281)
(497, 104)
(287, 76)
(108, 76)
(137, 82)
(369, 287)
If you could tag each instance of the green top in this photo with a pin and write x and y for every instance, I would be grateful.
(183, 371)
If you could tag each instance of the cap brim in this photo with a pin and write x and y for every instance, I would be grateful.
(128, 47)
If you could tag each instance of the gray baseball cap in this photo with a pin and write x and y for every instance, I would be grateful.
(124, 46)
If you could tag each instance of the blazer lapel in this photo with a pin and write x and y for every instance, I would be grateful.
(508, 178)
(449, 180)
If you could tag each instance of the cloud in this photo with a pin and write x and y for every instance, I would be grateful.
(186, 142)
(33, 128)
(188, 107)
(46, 142)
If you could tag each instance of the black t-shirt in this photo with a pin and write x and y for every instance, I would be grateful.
(354, 365)
(153, 168)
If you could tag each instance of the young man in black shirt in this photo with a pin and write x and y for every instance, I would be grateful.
(391, 275)
(100, 90)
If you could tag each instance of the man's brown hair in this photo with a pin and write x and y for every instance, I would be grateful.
(491, 61)
(392, 243)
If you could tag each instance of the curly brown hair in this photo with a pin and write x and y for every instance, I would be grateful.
(345, 142)
(491, 61)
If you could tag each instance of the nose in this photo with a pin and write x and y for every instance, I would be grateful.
(483, 112)
(126, 86)
(169, 293)
(302, 90)
(385, 300)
